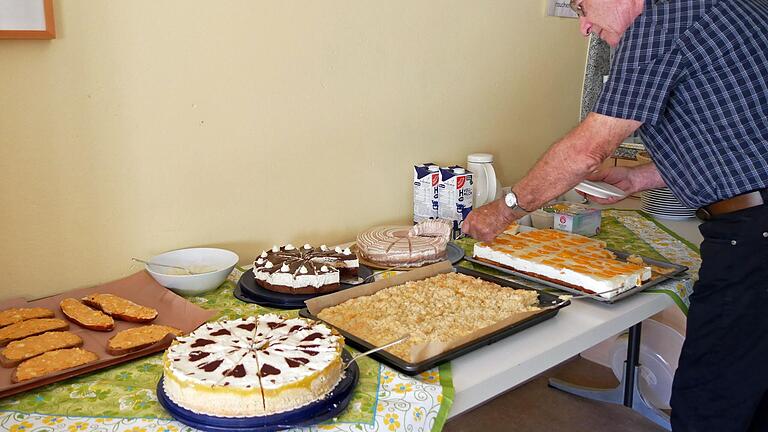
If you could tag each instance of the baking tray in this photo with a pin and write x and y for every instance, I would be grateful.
(173, 310)
(676, 270)
(545, 300)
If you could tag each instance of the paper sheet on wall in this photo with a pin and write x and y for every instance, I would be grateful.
(560, 8)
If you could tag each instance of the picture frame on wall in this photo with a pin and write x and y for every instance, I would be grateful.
(27, 19)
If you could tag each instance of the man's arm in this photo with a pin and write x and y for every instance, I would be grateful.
(572, 159)
(563, 166)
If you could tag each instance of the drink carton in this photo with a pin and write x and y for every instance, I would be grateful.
(455, 196)
(426, 178)
(576, 218)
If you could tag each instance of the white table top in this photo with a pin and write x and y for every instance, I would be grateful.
(494, 369)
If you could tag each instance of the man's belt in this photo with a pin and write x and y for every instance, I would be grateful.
(730, 205)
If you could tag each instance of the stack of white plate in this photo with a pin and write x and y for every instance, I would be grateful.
(662, 204)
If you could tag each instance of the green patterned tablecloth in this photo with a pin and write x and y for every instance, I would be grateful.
(122, 398)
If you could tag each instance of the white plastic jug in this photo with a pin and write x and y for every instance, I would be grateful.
(487, 186)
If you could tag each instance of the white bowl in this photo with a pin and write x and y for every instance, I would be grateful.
(216, 263)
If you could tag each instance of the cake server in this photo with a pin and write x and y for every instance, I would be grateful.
(379, 348)
(370, 278)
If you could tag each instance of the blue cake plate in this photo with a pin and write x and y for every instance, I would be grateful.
(316, 412)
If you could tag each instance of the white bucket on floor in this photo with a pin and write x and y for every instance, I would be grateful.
(660, 347)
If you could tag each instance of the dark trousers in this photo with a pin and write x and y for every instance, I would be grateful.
(721, 384)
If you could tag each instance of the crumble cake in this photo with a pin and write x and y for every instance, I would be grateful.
(441, 308)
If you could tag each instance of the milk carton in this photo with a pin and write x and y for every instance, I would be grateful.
(455, 196)
(426, 178)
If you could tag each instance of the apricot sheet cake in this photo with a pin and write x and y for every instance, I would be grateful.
(568, 259)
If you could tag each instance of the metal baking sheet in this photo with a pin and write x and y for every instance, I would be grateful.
(676, 271)
(545, 300)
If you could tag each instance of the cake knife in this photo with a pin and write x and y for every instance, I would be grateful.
(379, 348)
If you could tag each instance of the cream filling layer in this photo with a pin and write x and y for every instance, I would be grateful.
(605, 287)
(298, 281)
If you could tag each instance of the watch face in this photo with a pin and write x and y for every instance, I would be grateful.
(510, 199)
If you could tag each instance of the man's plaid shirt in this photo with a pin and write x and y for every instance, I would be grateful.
(695, 72)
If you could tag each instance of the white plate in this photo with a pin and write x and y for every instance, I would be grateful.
(600, 189)
(662, 209)
(662, 213)
(670, 217)
(666, 192)
(664, 203)
(663, 206)
(667, 199)
(659, 194)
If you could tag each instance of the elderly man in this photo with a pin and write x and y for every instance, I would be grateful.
(692, 77)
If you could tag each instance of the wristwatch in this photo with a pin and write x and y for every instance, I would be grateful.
(510, 199)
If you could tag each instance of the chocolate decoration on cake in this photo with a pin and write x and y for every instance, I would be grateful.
(304, 270)
(212, 366)
(267, 370)
(296, 361)
(222, 332)
(312, 337)
(202, 342)
(237, 372)
(197, 355)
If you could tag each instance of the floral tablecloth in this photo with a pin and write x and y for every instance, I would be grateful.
(122, 398)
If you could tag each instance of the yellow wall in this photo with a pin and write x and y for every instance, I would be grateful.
(153, 125)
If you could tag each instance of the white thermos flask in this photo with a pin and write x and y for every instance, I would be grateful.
(487, 186)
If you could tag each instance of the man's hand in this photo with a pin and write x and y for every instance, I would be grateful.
(630, 180)
(621, 177)
(488, 221)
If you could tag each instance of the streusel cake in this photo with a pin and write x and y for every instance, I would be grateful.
(438, 309)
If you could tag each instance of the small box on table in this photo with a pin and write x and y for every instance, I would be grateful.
(576, 218)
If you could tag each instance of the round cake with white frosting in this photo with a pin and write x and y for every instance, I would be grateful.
(403, 246)
(304, 270)
(253, 366)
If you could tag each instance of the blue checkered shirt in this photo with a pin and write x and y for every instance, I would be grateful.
(695, 72)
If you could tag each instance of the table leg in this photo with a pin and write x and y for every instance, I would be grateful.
(632, 362)
(627, 392)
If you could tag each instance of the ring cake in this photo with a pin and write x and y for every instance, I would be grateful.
(253, 366)
(402, 246)
(568, 259)
(304, 270)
